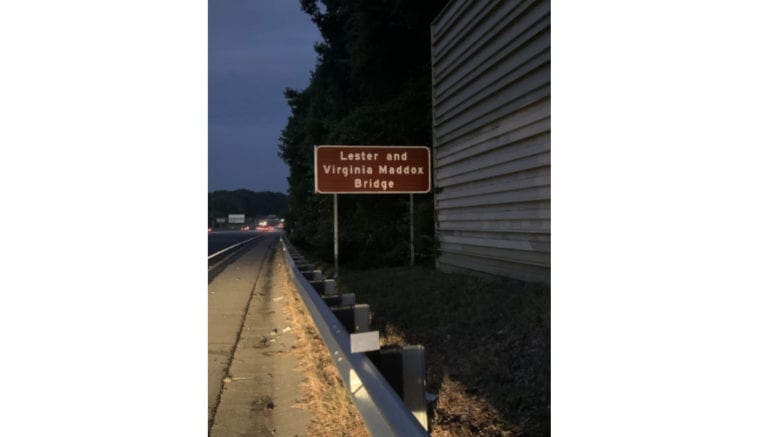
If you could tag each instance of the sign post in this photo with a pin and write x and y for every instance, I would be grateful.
(412, 248)
(372, 170)
(335, 231)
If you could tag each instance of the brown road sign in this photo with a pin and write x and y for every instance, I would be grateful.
(372, 169)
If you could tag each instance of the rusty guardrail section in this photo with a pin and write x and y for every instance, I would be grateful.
(383, 411)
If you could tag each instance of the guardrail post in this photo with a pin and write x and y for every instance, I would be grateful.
(312, 275)
(414, 382)
(405, 370)
(325, 287)
(337, 300)
(329, 286)
(355, 318)
(304, 265)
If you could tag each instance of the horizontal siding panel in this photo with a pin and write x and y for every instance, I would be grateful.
(469, 264)
(528, 194)
(539, 259)
(532, 153)
(507, 94)
(511, 128)
(496, 235)
(525, 245)
(511, 182)
(511, 211)
(486, 59)
(531, 163)
(491, 125)
(525, 226)
(518, 102)
(519, 63)
(451, 12)
(522, 149)
(449, 37)
(514, 137)
(486, 29)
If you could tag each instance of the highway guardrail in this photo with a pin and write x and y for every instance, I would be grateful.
(219, 260)
(383, 411)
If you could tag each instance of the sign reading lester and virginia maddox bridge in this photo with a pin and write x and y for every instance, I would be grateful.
(372, 169)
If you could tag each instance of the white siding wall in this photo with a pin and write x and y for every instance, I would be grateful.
(491, 104)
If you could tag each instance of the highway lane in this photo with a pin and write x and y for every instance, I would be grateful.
(218, 240)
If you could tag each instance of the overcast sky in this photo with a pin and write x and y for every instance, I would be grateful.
(255, 49)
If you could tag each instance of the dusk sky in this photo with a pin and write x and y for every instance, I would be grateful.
(255, 49)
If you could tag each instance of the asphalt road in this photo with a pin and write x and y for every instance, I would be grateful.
(218, 240)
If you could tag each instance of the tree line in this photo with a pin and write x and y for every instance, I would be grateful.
(251, 203)
(371, 86)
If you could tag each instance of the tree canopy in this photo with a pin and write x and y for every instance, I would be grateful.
(371, 86)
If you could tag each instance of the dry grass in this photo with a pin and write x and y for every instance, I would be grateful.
(487, 343)
(333, 412)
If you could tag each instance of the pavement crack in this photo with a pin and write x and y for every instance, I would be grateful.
(264, 268)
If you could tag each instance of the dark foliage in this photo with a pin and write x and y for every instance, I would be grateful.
(493, 350)
(371, 86)
(250, 203)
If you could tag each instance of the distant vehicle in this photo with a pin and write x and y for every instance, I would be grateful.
(245, 228)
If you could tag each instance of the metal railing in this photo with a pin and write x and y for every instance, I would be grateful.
(382, 410)
(219, 260)
(224, 252)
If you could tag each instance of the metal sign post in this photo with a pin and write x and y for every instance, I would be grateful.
(335, 230)
(412, 248)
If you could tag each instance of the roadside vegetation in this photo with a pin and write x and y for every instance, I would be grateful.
(487, 342)
(487, 339)
(371, 86)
